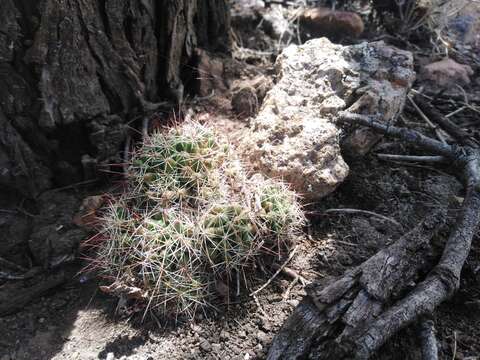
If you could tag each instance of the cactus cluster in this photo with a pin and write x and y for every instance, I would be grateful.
(191, 216)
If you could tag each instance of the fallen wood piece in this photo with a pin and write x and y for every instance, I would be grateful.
(410, 136)
(356, 298)
(279, 270)
(294, 275)
(358, 313)
(412, 158)
(427, 120)
(426, 332)
(463, 137)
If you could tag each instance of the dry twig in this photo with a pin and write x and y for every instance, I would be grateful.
(12, 265)
(410, 158)
(356, 211)
(426, 333)
(427, 120)
(286, 293)
(290, 257)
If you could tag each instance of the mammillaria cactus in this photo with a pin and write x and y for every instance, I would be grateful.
(190, 216)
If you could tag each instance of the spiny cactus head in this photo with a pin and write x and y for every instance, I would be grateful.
(179, 162)
(229, 236)
(191, 215)
(279, 202)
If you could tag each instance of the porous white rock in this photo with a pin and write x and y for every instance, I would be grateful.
(295, 135)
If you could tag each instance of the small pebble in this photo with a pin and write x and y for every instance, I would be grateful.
(224, 335)
(262, 337)
(205, 345)
(293, 302)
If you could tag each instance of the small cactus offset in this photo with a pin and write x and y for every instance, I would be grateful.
(191, 216)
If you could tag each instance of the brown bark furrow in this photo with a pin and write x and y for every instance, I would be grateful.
(21, 168)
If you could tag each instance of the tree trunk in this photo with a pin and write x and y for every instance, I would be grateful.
(73, 73)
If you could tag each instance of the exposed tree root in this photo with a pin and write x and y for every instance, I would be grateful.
(15, 295)
(355, 315)
(410, 158)
(426, 333)
(360, 295)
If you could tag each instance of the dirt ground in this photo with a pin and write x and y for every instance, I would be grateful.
(76, 321)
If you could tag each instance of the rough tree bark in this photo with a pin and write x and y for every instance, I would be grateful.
(74, 75)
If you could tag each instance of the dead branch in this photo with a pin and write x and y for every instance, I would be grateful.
(455, 131)
(426, 332)
(412, 158)
(359, 295)
(438, 132)
(292, 273)
(410, 136)
(126, 154)
(279, 270)
(145, 126)
(354, 315)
